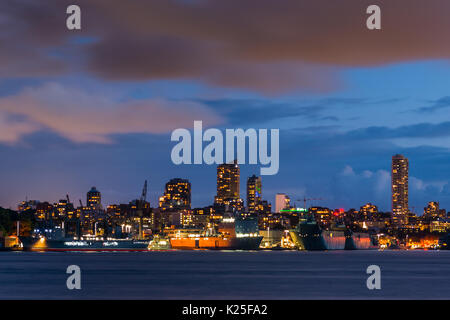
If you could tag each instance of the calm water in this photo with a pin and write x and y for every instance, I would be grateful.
(226, 275)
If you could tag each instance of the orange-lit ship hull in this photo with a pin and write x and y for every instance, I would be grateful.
(216, 243)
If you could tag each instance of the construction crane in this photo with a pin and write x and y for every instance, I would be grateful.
(307, 199)
(139, 208)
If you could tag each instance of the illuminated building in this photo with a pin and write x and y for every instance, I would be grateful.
(64, 209)
(94, 199)
(368, 211)
(113, 210)
(323, 216)
(265, 207)
(27, 205)
(399, 182)
(187, 219)
(282, 201)
(228, 176)
(177, 195)
(43, 211)
(254, 196)
(271, 221)
(439, 225)
(228, 191)
(432, 211)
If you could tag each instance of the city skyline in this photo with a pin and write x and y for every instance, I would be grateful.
(177, 195)
(97, 106)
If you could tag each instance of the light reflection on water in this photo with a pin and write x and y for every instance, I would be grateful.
(226, 275)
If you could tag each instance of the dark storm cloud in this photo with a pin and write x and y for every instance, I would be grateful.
(265, 45)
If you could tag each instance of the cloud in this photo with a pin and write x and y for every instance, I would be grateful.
(271, 47)
(86, 117)
(255, 111)
(375, 187)
(438, 104)
(367, 186)
(12, 129)
(419, 130)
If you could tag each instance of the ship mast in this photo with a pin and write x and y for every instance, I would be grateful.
(139, 209)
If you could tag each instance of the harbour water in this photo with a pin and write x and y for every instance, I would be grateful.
(226, 275)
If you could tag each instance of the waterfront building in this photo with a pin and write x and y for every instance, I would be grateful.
(399, 184)
(65, 209)
(432, 211)
(368, 212)
(282, 201)
(228, 179)
(228, 191)
(323, 216)
(94, 199)
(43, 211)
(177, 195)
(27, 205)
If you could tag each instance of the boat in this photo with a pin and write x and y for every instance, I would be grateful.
(444, 242)
(10, 243)
(85, 244)
(232, 234)
(358, 241)
(309, 236)
(159, 242)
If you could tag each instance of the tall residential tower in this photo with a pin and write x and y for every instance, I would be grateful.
(228, 176)
(228, 193)
(399, 175)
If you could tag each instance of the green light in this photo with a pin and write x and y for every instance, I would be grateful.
(294, 210)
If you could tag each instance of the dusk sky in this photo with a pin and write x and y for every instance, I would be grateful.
(96, 107)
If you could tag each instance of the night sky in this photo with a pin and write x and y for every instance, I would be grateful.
(96, 107)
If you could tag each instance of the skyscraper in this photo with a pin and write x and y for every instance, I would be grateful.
(254, 196)
(94, 199)
(399, 184)
(177, 194)
(228, 176)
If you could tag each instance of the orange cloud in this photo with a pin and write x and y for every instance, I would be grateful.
(84, 117)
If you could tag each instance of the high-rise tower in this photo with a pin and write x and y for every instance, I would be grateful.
(399, 175)
(228, 176)
(254, 196)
